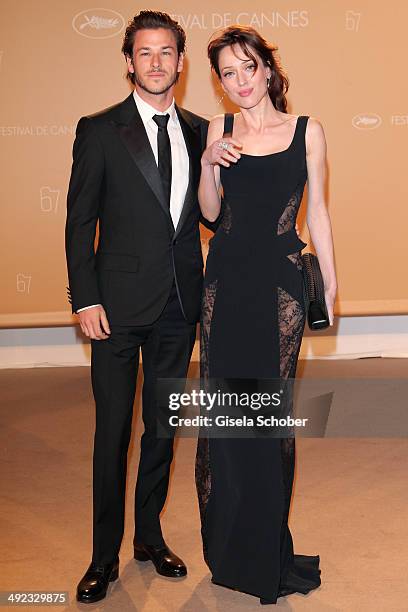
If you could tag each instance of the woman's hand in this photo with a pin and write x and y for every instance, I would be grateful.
(330, 297)
(222, 152)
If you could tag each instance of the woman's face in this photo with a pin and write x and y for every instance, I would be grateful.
(243, 82)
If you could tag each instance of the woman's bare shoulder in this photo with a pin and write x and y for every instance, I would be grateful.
(217, 120)
(315, 137)
(315, 128)
(216, 127)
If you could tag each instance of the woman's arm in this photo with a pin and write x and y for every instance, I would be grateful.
(317, 217)
(209, 190)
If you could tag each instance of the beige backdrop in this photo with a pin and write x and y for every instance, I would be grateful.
(347, 66)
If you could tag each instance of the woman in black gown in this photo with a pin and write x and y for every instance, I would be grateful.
(253, 313)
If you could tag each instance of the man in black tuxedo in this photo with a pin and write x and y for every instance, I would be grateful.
(136, 168)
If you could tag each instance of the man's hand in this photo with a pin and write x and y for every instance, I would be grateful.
(94, 323)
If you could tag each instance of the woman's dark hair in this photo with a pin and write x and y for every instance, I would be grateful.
(250, 40)
(151, 20)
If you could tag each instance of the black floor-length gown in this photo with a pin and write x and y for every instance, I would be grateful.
(252, 323)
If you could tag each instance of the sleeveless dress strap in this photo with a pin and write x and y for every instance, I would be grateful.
(299, 143)
(301, 128)
(228, 124)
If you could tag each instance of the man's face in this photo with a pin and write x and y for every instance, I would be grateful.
(155, 63)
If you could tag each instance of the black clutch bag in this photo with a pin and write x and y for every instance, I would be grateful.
(313, 291)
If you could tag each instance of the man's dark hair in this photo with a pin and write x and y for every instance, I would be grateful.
(151, 20)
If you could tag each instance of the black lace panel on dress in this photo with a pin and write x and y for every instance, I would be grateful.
(226, 222)
(202, 464)
(288, 219)
(291, 323)
(205, 328)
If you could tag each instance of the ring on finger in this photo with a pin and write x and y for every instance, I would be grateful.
(223, 145)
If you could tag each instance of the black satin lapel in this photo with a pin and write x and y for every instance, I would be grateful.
(137, 143)
(193, 143)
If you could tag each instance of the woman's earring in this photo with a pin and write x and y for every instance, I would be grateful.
(268, 80)
(221, 99)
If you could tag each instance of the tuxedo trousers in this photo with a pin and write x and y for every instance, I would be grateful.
(166, 347)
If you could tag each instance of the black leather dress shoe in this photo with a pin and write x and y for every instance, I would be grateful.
(95, 582)
(165, 561)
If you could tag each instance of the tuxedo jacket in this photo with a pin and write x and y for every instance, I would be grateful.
(115, 184)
